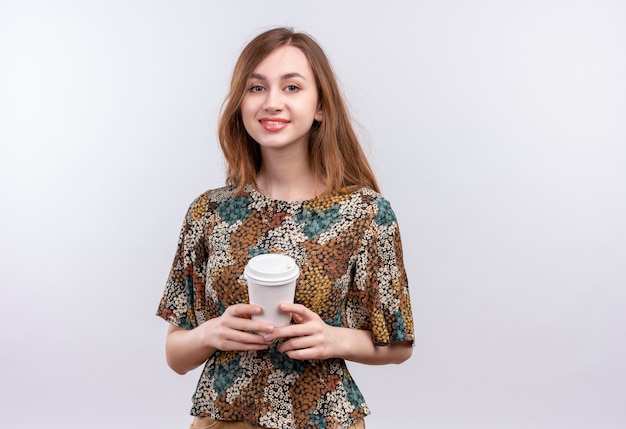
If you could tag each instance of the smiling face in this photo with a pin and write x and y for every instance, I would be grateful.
(281, 100)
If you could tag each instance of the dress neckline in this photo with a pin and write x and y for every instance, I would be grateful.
(319, 199)
(257, 194)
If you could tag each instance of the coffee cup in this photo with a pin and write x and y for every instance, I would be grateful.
(271, 280)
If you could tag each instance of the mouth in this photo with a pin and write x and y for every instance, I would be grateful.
(273, 124)
(273, 121)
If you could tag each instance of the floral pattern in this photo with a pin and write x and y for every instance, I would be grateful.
(348, 249)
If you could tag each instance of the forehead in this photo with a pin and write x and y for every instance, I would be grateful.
(282, 61)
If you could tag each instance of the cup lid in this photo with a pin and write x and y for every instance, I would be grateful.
(271, 267)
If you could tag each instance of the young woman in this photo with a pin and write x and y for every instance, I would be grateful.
(298, 184)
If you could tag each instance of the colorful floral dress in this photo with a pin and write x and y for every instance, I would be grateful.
(348, 249)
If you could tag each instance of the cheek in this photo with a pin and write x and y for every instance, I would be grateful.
(248, 111)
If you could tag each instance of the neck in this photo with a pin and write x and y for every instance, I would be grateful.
(287, 177)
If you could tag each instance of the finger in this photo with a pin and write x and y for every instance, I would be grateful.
(300, 354)
(243, 310)
(290, 307)
(297, 343)
(240, 324)
(299, 313)
(237, 317)
(305, 354)
(240, 331)
(287, 332)
(242, 337)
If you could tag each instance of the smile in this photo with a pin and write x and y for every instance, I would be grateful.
(273, 124)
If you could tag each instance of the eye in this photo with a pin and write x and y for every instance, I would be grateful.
(256, 88)
(291, 88)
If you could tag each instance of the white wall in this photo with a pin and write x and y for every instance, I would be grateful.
(498, 130)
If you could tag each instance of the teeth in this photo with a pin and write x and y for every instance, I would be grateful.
(273, 122)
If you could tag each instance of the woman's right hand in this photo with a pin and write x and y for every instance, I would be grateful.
(186, 349)
(234, 330)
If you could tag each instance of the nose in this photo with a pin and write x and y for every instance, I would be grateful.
(273, 101)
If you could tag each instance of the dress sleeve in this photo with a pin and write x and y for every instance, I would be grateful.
(182, 303)
(380, 298)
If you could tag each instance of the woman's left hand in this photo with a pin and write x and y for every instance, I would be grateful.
(310, 338)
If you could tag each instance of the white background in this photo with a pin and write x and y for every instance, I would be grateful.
(497, 130)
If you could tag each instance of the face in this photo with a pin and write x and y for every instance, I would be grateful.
(281, 100)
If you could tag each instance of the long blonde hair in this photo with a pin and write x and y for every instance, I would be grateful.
(335, 154)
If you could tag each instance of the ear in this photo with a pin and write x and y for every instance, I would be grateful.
(319, 115)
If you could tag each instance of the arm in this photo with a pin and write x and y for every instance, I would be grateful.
(312, 338)
(186, 349)
(358, 346)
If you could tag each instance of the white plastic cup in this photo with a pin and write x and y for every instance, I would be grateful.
(271, 280)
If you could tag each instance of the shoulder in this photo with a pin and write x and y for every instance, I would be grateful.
(208, 201)
(374, 204)
(217, 195)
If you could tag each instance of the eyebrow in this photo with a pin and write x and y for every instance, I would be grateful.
(285, 76)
